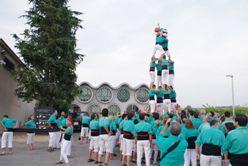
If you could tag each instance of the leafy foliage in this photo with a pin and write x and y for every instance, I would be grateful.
(48, 51)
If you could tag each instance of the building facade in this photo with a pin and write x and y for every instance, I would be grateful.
(9, 103)
(121, 99)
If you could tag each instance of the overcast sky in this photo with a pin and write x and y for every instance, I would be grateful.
(207, 39)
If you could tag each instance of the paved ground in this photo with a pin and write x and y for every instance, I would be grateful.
(40, 157)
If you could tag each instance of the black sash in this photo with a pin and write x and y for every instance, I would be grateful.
(166, 96)
(173, 100)
(159, 73)
(170, 149)
(211, 150)
(239, 159)
(191, 142)
(67, 137)
(103, 131)
(153, 136)
(128, 135)
(164, 67)
(10, 129)
(85, 125)
(171, 71)
(159, 100)
(113, 132)
(151, 98)
(152, 68)
(142, 136)
(94, 133)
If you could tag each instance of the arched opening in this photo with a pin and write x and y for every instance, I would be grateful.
(132, 109)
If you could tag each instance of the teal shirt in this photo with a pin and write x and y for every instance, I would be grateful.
(8, 123)
(159, 67)
(52, 119)
(196, 122)
(173, 94)
(86, 120)
(162, 41)
(171, 66)
(160, 93)
(211, 135)
(236, 141)
(94, 124)
(127, 125)
(143, 126)
(175, 157)
(203, 127)
(30, 124)
(165, 62)
(69, 130)
(152, 92)
(104, 122)
(155, 128)
(152, 64)
(113, 126)
(187, 133)
(165, 134)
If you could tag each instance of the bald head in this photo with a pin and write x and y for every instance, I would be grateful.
(175, 128)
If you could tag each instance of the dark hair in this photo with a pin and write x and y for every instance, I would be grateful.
(154, 86)
(123, 116)
(30, 117)
(129, 115)
(5, 116)
(195, 114)
(136, 121)
(93, 116)
(104, 112)
(227, 114)
(241, 119)
(142, 116)
(212, 122)
(229, 126)
(212, 113)
(155, 115)
(189, 124)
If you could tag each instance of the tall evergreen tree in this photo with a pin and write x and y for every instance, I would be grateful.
(48, 50)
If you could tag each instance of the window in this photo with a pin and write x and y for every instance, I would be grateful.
(132, 109)
(94, 109)
(123, 94)
(86, 94)
(8, 64)
(141, 95)
(104, 94)
(114, 109)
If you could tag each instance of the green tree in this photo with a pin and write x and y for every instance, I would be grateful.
(48, 50)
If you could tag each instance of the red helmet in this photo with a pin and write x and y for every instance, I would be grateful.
(157, 29)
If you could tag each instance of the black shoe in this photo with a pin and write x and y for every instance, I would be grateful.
(90, 160)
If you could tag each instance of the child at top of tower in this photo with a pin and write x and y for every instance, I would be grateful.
(161, 42)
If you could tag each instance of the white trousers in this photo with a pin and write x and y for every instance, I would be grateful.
(143, 146)
(7, 139)
(152, 76)
(64, 149)
(94, 143)
(121, 142)
(158, 48)
(58, 136)
(127, 147)
(167, 105)
(52, 140)
(84, 132)
(155, 150)
(103, 143)
(112, 143)
(171, 80)
(30, 138)
(152, 105)
(159, 81)
(165, 77)
(210, 160)
(189, 157)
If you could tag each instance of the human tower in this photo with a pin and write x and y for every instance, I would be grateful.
(162, 94)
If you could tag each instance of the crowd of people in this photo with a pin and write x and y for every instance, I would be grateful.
(165, 135)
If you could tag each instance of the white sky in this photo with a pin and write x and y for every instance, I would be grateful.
(207, 39)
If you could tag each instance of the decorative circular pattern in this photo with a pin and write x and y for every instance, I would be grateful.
(123, 94)
(132, 109)
(104, 94)
(142, 95)
(114, 109)
(94, 109)
(86, 94)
